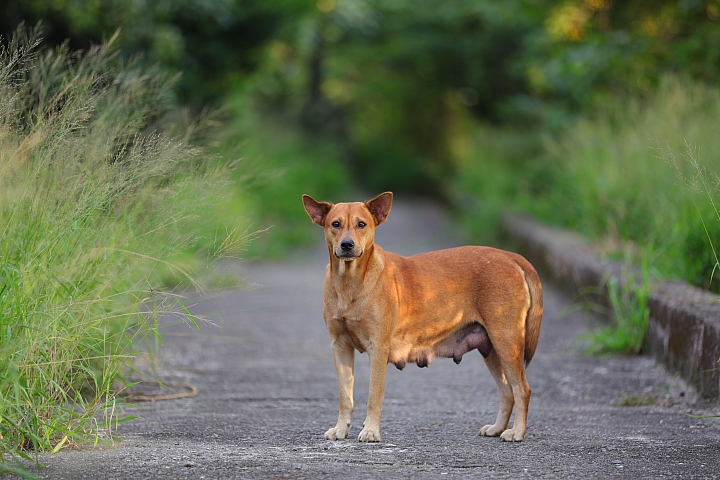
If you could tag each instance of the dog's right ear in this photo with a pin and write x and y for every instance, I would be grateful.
(317, 210)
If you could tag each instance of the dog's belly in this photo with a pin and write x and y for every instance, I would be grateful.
(470, 337)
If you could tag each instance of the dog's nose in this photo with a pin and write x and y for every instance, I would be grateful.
(347, 245)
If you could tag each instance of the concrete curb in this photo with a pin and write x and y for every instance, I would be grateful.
(684, 325)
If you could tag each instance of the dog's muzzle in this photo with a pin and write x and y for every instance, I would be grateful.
(347, 250)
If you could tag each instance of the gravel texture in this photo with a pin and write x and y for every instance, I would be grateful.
(267, 393)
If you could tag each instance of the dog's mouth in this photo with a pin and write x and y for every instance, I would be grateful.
(347, 256)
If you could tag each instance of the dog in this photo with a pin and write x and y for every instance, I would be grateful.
(404, 310)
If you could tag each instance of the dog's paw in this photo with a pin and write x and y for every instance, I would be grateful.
(369, 435)
(511, 435)
(491, 431)
(337, 433)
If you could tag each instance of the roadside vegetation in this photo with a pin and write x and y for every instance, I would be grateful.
(638, 177)
(112, 204)
(97, 198)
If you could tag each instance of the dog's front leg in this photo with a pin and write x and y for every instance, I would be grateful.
(378, 369)
(344, 356)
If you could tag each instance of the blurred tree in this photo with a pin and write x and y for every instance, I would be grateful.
(394, 78)
(211, 42)
(591, 46)
(401, 68)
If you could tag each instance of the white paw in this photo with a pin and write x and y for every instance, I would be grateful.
(491, 430)
(511, 435)
(337, 433)
(369, 435)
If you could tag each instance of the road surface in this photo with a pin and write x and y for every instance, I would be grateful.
(267, 393)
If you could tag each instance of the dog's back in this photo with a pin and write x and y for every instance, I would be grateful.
(473, 282)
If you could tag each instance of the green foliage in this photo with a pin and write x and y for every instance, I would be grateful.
(696, 178)
(598, 45)
(94, 205)
(386, 76)
(279, 165)
(395, 71)
(492, 176)
(606, 178)
(211, 42)
(629, 312)
(400, 70)
(615, 177)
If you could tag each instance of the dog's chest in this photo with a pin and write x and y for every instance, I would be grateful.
(345, 304)
(356, 332)
(348, 321)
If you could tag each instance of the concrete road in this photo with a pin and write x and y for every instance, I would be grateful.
(267, 393)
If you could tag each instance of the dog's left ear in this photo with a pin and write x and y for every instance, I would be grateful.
(317, 210)
(380, 207)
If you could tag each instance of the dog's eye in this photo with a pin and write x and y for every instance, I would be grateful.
(336, 224)
(361, 224)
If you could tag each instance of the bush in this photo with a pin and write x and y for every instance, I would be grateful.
(93, 207)
(625, 177)
(637, 178)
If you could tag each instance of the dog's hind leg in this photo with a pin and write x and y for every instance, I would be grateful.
(506, 397)
(511, 360)
(521, 393)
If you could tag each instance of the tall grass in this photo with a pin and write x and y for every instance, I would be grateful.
(610, 176)
(94, 204)
(628, 311)
(706, 185)
(636, 176)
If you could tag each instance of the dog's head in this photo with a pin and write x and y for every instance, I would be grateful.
(349, 227)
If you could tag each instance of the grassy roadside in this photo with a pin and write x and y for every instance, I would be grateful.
(104, 203)
(96, 203)
(629, 177)
(637, 178)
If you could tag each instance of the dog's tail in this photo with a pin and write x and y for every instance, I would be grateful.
(535, 312)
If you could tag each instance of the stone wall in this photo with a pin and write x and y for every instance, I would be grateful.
(684, 325)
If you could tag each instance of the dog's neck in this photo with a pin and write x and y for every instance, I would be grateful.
(350, 277)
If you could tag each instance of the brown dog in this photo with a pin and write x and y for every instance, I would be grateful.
(410, 309)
